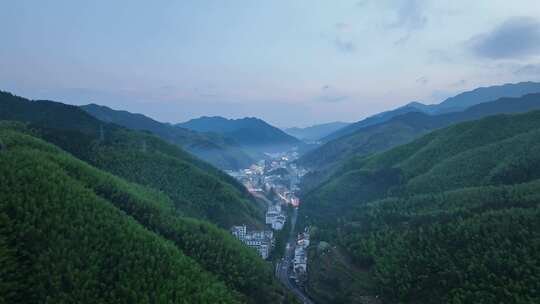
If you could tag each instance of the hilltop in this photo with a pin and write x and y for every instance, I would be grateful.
(220, 151)
(250, 133)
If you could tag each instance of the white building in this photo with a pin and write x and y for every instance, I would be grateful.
(239, 231)
(300, 257)
(303, 240)
(272, 213)
(300, 261)
(279, 222)
(275, 217)
(260, 240)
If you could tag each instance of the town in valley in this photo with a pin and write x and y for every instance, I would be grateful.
(276, 181)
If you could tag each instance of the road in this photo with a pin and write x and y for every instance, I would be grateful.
(283, 268)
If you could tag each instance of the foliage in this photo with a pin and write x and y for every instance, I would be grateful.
(175, 185)
(60, 242)
(197, 188)
(402, 129)
(451, 217)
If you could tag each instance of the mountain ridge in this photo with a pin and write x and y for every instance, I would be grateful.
(456, 103)
(315, 132)
(218, 150)
(251, 133)
(406, 127)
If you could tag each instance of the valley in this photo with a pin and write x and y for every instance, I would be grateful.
(270, 152)
(275, 180)
(350, 238)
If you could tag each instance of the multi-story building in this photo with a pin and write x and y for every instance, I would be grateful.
(275, 217)
(260, 240)
(303, 240)
(279, 222)
(272, 213)
(239, 231)
(300, 257)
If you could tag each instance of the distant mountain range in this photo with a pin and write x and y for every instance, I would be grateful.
(403, 129)
(373, 120)
(452, 104)
(315, 132)
(253, 134)
(218, 150)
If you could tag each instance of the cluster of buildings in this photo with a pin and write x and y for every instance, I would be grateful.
(260, 240)
(277, 178)
(300, 258)
(275, 174)
(275, 217)
(252, 177)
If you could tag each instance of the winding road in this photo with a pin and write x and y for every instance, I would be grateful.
(283, 268)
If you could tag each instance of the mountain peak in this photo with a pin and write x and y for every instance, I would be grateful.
(247, 131)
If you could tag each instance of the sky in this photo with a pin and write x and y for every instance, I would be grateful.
(292, 63)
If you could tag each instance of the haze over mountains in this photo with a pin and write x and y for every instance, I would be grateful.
(315, 132)
(220, 151)
(253, 134)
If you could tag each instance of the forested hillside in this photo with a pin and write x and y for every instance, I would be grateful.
(450, 217)
(72, 233)
(212, 147)
(196, 188)
(403, 129)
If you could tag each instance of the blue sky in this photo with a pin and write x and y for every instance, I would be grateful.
(293, 63)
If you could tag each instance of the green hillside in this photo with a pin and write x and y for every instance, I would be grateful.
(450, 217)
(67, 242)
(206, 246)
(218, 150)
(403, 129)
(196, 188)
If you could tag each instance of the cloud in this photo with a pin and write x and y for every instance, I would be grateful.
(343, 27)
(344, 45)
(403, 39)
(516, 38)
(362, 3)
(341, 37)
(422, 80)
(459, 83)
(410, 16)
(528, 70)
(440, 56)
